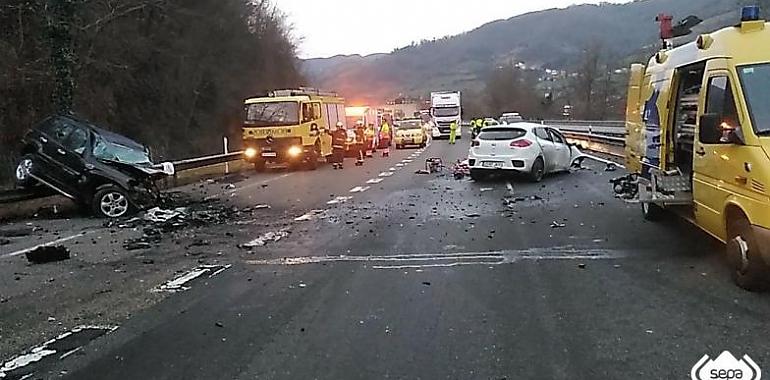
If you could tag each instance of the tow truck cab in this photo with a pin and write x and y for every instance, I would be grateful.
(290, 127)
(698, 124)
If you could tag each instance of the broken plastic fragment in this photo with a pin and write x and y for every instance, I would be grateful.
(43, 255)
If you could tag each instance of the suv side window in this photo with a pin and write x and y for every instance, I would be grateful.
(542, 134)
(77, 141)
(57, 129)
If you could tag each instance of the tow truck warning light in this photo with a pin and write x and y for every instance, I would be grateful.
(750, 13)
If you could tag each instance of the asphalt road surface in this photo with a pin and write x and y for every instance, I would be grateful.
(411, 277)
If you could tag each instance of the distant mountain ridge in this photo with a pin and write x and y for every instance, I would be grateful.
(550, 38)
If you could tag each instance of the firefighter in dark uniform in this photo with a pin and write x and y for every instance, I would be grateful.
(360, 143)
(339, 137)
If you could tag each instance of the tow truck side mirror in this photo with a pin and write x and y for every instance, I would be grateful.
(712, 132)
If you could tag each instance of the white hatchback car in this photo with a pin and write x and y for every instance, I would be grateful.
(527, 148)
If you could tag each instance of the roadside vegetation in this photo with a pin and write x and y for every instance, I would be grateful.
(169, 73)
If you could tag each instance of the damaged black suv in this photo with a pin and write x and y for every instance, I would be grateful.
(98, 169)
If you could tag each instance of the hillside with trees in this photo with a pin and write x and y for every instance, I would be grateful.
(598, 38)
(169, 73)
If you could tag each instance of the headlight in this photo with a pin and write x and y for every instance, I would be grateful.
(294, 151)
(250, 152)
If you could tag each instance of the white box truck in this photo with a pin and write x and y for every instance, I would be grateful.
(445, 108)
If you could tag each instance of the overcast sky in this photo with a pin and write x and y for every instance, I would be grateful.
(379, 26)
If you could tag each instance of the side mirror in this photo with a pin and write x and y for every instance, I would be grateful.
(709, 131)
(712, 131)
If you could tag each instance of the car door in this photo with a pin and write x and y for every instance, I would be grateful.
(547, 146)
(73, 164)
(715, 165)
(562, 150)
(53, 153)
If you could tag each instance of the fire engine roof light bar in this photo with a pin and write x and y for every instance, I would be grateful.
(750, 13)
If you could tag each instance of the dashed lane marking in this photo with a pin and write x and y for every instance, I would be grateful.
(386, 174)
(375, 181)
(360, 189)
(338, 200)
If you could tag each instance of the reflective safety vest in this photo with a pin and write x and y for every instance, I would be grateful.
(479, 123)
(453, 126)
(385, 130)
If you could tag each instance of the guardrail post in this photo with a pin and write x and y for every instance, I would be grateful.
(227, 164)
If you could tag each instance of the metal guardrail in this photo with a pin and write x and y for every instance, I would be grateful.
(607, 137)
(18, 195)
(609, 128)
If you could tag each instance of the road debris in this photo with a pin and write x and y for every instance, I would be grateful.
(461, 169)
(556, 224)
(43, 255)
(423, 171)
(485, 189)
(4, 241)
(136, 244)
(434, 165)
(270, 237)
(261, 207)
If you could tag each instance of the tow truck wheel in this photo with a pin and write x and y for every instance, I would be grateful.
(111, 201)
(749, 270)
(22, 177)
(652, 212)
(312, 158)
(259, 165)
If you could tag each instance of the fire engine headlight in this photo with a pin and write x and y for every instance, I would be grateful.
(294, 151)
(250, 152)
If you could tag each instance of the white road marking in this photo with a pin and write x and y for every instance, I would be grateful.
(374, 181)
(309, 216)
(392, 169)
(338, 200)
(48, 244)
(360, 189)
(38, 353)
(178, 284)
(400, 165)
(386, 174)
(427, 260)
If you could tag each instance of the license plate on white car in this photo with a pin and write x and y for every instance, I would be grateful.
(492, 164)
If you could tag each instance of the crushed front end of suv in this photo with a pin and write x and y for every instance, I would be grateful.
(100, 170)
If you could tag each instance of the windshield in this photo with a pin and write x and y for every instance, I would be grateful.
(272, 114)
(446, 111)
(105, 150)
(502, 134)
(755, 80)
(410, 125)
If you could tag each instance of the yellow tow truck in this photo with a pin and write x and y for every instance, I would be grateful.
(290, 127)
(698, 123)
